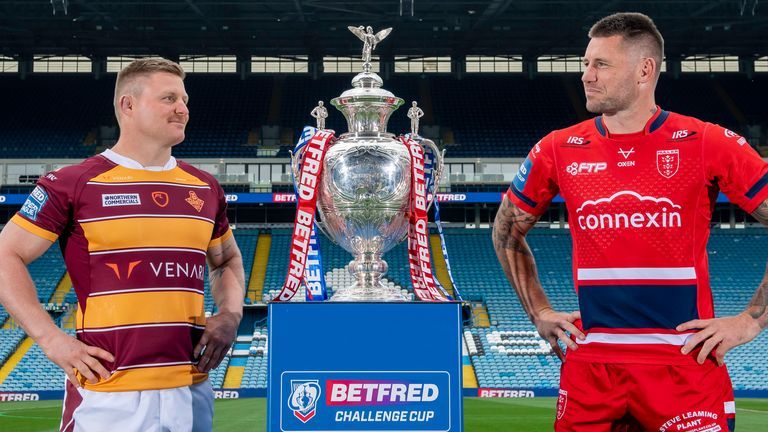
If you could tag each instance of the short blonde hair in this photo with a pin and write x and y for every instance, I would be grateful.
(142, 68)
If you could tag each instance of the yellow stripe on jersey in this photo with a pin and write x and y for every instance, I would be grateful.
(34, 229)
(218, 241)
(142, 308)
(149, 378)
(121, 174)
(79, 318)
(147, 232)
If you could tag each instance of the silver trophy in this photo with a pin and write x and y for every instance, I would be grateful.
(364, 194)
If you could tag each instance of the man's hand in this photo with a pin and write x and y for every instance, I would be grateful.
(70, 354)
(220, 332)
(719, 334)
(552, 326)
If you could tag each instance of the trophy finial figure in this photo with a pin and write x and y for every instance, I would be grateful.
(320, 113)
(370, 40)
(415, 113)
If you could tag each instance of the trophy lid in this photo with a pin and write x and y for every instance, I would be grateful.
(367, 106)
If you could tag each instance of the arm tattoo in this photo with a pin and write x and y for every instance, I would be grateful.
(758, 306)
(761, 213)
(510, 226)
(509, 230)
(215, 276)
(218, 252)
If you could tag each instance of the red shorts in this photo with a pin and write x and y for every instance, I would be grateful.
(608, 397)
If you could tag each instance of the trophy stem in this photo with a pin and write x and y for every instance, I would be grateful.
(368, 269)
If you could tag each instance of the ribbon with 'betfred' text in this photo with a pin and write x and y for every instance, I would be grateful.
(418, 229)
(314, 276)
(306, 191)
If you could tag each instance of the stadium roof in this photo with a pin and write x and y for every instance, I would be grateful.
(318, 27)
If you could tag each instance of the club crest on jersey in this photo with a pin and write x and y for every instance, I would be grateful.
(195, 201)
(562, 401)
(667, 162)
(160, 198)
(303, 399)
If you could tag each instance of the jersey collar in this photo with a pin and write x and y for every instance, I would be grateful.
(132, 164)
(652, 125)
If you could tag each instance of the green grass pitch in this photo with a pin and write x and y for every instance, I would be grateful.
(480, 415)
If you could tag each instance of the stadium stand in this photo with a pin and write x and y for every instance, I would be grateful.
(255, 375)
(514, 112)
(9, 341)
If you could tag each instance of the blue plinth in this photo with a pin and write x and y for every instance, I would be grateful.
(364, 367)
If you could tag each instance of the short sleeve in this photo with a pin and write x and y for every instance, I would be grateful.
(221, 230)
(46, 211)
(535, 183)
(739, 171)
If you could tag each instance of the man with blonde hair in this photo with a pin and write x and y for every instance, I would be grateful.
(135, 227)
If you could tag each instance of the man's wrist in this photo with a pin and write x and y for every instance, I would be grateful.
(48, 337)
(536, 315)
(234, 314)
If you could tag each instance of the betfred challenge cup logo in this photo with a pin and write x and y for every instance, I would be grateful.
(303, 398)
(667, 162)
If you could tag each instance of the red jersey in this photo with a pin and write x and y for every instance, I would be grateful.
(135, 243)
(639, 208)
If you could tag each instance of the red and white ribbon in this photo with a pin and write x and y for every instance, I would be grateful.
(418, 229)
(307, 189)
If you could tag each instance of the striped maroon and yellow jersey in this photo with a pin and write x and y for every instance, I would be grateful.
(134, 242)
(640, 207)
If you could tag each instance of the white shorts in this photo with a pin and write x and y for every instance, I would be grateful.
(182, 409)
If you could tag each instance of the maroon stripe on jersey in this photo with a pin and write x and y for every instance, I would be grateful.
(72, 400)
(100, 201)
(147, 269)
(145, 345)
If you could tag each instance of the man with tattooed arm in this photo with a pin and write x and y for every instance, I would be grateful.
(640, 183)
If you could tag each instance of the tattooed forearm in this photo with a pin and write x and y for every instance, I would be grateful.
(221, 251)
(758, 306)
(215, 276)
(510, 226)
(761, 213)
(509, 230)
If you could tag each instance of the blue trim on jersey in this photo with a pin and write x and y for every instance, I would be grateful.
(757, 187)
(659, 121)
(637, 306)
(522, 197)
(599, 125)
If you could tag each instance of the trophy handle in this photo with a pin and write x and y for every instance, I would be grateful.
(437, 173)
(295, 159)
(322, 228)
